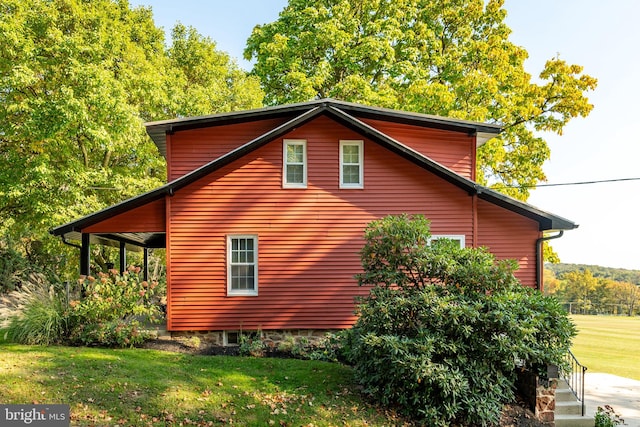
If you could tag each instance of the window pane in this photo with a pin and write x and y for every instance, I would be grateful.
(351, 174)
(295, 153)
(295, 174)
(350, 154)
(242, 277)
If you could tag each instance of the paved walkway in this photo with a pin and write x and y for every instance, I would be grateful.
(622, 394)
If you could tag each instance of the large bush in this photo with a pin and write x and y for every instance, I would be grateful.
(444, 330)
(112, 309)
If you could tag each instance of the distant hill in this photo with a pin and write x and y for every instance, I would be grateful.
(617, 274)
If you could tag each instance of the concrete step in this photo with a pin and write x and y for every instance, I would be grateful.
(565, 395)
(574, 421)
(568, 408)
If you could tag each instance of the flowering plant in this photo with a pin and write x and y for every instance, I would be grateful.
(112, 308)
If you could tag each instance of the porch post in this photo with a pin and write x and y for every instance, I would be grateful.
(145, 267)
(123, 257)
(85, 255)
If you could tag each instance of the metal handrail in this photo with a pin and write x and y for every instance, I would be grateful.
(573, 372)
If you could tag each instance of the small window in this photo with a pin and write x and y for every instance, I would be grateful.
(453, 237)
(242, 265)
(230, 338)
(351, 164)
(294, 174)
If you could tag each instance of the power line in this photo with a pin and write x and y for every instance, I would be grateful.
(570, 183)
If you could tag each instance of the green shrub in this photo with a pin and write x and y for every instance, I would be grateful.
(113, 306)
(109, 314)
(250, 344)
(35, 314)
(607, 417)
(114, 333)
(444, 329)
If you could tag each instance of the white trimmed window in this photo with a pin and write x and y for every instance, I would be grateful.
(454, 237)
(351, 164)
(242, 265)
(294, 174)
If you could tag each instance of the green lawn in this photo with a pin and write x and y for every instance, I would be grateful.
(153, 388)
(608, 344)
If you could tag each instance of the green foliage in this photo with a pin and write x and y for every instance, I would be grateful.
(22, 260)
(34, 314)
(13, 269)
(582, 292)
(250, 344)
(616, 274)
(77, 80)
(607, 417)
(446, 57)
(444, 329)
(114, 333)
(110, 312)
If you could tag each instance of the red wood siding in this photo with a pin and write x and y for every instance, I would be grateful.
(144, 219)
(454, 150)
(308, 238)
(188, 150)
(509, 236)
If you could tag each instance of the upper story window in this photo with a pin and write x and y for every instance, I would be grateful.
(458, 238)
(351, 164)
(242, 265)
(294, 174)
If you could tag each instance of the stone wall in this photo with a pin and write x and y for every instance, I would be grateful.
(539, 394)
(271, 338)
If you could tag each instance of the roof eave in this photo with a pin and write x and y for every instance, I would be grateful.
(158, 130)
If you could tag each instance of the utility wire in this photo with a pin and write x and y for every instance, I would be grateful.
(569, 183)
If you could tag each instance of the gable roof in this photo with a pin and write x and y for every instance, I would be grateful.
(344, 113)
(158, 130)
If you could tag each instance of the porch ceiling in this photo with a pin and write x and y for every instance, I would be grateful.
(133, 241)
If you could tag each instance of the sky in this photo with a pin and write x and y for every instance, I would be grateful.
(603, 37)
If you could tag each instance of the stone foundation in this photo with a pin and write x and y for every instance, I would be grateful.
(271, 338)
(540, 395)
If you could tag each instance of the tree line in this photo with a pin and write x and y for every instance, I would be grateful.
(79, 78)
(583, 291)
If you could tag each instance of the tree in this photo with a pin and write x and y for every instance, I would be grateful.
(77, 81)
(444, 57)
(625, 295)
(444, 329)
(206, 80)
(580, 290)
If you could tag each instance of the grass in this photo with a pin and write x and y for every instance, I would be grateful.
(135, 387)
(608, 344)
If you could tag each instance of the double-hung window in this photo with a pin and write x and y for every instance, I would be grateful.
(351, 164)
(242, 265)
(294, 174)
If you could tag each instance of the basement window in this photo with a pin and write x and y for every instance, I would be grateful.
(230, 338)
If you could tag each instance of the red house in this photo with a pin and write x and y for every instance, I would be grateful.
(264, 212)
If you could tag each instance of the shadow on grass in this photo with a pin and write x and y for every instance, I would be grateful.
(147, 387)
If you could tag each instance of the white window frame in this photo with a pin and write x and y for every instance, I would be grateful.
(230, 264)
(459, 237)
(285, 164)
(360, 145)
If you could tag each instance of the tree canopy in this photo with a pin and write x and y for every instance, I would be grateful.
(77, 81)
(445, 57)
